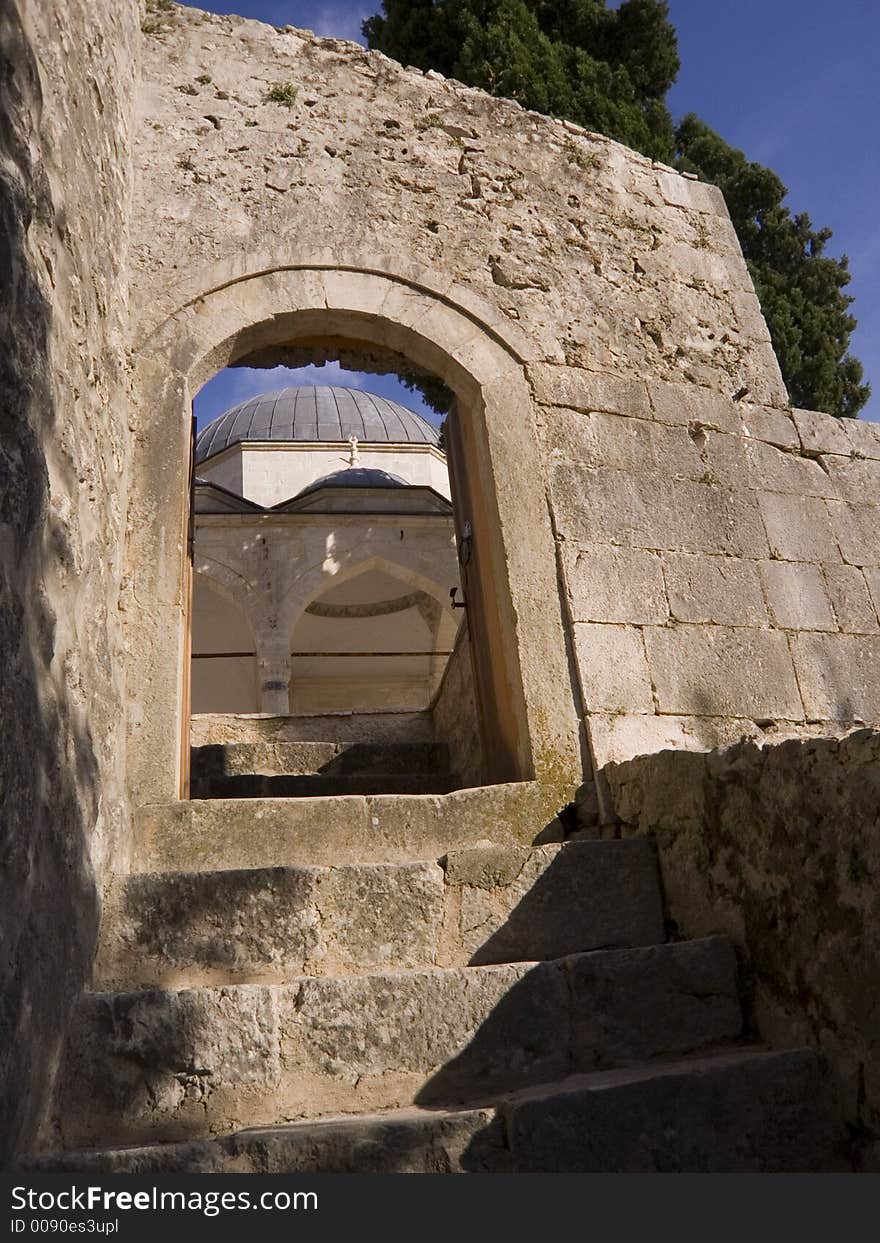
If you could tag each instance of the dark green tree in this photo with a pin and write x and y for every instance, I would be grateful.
(800, 288)
(610, 70)
(607, 69)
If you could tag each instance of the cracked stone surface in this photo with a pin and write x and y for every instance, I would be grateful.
(482, 905)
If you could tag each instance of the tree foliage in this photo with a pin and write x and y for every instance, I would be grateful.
(800, 288)
(609, 70)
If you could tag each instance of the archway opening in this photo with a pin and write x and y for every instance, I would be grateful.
(262, 311)
(323, 504)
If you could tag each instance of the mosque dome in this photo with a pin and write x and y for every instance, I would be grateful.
(356, 477)
(314, 414)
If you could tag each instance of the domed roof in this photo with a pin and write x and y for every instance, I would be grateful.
(315, 413)
(356, 477)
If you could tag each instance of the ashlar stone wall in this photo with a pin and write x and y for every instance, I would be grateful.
(682, 558)
(717, 551)
(721, 562)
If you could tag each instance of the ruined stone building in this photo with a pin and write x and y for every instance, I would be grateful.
(622, 849)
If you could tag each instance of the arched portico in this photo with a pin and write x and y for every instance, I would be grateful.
(480, 357)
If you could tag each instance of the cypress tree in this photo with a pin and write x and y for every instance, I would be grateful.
(609, 70)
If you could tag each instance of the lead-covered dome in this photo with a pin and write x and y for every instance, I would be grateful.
(315, 414)
(356, 477)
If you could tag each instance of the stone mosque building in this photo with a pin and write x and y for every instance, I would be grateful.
(371, 804)
(324, 557)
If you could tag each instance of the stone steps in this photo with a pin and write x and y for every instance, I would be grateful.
(320, 785)
(219, 834)
(333, 727)
(503, 997)
(319, 769)
(480, 905)
(326, 758)
(147, 1066)
(746, 1110)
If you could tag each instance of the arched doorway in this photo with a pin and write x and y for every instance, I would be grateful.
(527, 711)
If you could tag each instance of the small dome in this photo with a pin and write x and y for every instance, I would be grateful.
(356, 477)
(315, 414)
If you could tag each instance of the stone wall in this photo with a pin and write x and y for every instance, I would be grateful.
(722, 566)
(779, 847)
(718, 554)
(66, 75)
(455, 714)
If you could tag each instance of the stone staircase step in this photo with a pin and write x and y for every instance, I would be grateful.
(319, 785)
(481, 905)
(747, 1111)
(275, 759)
(336, 727)
(175, 1065)
(216, 834)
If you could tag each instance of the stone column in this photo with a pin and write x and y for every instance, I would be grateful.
(273, 674)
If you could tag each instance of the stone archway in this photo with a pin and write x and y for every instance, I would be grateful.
(411, 605)
(446, 331)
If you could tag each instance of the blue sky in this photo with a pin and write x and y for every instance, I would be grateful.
(239, 383)
(794, 83)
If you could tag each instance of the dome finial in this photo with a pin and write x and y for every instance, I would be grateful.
(354, 456)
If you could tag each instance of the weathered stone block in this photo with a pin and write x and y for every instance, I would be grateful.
(798, 528)
(857, 528)
(653, 513)
(615, 585)
(516, 905)
(695, 195)
(676, 997)
(745, 1112)
(143, 1065)
(863, 437)
(744, 462)
(820, 433)
(850, 600)
(714, 589)
(796, 596)
(589, 390)
(207, 835)
(614, 672)
(471, 1029)
(617, 737)
(772, 427)
(377, 918)
(715, 671)
(685, 404)
(232, 922)
(839, 676)
(402, 1142)
(637, 445)
(855, 479)
(872, 578)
